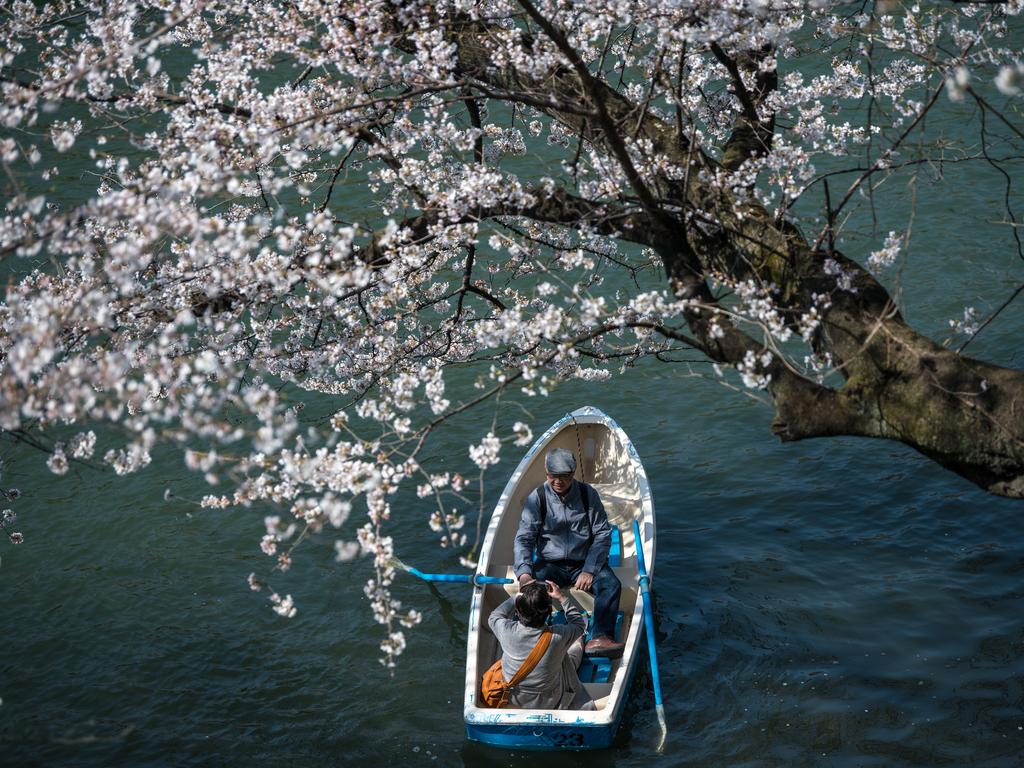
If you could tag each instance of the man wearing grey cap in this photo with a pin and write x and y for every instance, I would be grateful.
(566, 522)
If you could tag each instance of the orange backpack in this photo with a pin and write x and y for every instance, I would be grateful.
(494, 691)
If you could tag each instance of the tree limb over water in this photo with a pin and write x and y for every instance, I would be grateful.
(360, 206)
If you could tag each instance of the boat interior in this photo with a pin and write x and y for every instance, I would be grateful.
(602, 461)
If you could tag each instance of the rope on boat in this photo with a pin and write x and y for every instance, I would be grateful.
(579, 448)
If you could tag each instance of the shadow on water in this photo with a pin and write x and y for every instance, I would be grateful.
(453, 618)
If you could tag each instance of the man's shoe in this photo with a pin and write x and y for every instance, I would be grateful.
(604, 646)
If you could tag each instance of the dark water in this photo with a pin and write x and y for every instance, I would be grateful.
(842, 603)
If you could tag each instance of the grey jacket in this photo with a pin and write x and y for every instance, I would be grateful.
(553, 683)
(565, 534)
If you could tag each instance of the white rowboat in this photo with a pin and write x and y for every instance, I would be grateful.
(606, 460)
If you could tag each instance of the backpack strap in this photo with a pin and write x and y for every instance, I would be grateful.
(533, 659)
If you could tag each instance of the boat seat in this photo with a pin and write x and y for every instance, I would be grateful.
(627, 575)
(595, 669)
(615, 552)
(622, 542)
(584, 600)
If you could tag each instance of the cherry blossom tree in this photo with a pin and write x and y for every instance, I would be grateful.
(347, 201)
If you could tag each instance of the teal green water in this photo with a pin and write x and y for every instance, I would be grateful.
(840, 602)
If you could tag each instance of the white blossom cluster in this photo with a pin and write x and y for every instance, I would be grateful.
(886, 256)
(969, 324)
(7, 519)
(1010, 80)
(753, 369)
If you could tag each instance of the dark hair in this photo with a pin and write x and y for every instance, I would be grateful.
(533, 604)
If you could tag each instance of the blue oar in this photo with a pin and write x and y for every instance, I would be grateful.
(649, 629)
(464, 578)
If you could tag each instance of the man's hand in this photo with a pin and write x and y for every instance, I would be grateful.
(554, 591)
(585, 581)
(525, 579)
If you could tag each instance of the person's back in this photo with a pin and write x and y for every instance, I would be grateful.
(517, 624)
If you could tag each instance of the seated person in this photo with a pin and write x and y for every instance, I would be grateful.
(518, 623)
(572, 539)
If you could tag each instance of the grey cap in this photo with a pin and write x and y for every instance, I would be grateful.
(560, 462)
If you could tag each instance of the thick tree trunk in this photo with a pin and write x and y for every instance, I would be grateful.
(965, 414)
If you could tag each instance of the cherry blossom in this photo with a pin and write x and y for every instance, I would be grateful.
(303, 226)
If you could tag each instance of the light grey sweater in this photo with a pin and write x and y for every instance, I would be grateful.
(553, 683)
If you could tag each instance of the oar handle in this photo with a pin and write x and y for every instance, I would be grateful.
(477, 579)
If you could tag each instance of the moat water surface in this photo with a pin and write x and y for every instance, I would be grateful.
(836, 602)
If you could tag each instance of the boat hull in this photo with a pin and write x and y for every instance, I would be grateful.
(609, 462)
(542, 737)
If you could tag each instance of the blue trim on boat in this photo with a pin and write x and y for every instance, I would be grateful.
(595, 669)
(554, 736)
(543, 737)
(615, 552)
